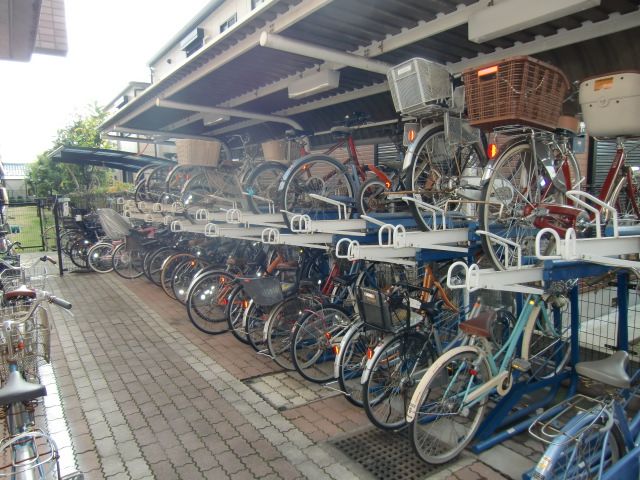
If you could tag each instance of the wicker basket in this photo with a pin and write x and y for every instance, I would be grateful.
(203, 153)
(419, 87)
(279, 151)
(519, 90)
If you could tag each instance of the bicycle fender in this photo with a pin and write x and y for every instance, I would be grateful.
(442, 359)
(374, 357)
(411, 150)
(343, 343)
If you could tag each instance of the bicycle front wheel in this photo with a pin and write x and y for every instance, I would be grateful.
(442, 422)
(436, 173)
(510, 201)
(99, 257)
(313, 341)
(394, 371)
(206, 302)
(320, 175)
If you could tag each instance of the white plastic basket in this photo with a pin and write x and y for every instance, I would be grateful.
(418, 87)
(610, 104)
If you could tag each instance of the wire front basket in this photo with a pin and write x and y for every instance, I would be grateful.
(34, 277)
(28, 341)
(264, 291)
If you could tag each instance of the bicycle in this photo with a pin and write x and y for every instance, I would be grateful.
(417, 331)
(252, 184)
(320, 175)
(524, 196)
(27, 452)
(450, 400)
(587, 437)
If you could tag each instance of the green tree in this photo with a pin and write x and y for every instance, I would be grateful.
(46, 178)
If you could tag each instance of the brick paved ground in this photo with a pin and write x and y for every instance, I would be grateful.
(145, 395)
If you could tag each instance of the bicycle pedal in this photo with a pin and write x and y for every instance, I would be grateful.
(521, 365)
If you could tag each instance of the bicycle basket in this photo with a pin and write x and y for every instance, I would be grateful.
(419, 87)
(114, 225)
(519, 90)
(29, 340)
(381, 311)
(265, 291)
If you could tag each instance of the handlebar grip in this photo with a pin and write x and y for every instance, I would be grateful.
(47, 258)
(61, 302)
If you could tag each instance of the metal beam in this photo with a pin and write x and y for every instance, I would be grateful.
(162, 134)
(232, 112)
(119, 138)
(298, 47)
(615, 23)
(181, 123)
(406, 37)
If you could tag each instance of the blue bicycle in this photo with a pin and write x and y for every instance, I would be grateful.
(592, 438)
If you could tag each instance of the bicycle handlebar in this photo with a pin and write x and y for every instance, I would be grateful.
(61, 302)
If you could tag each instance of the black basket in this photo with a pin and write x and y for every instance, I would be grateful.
(381, 311)
(264, 291)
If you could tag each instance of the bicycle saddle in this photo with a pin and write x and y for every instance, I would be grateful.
(480, 325)
(21, 292)
(17, 389)
(610, 371)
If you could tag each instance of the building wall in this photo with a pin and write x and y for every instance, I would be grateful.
(176, 57)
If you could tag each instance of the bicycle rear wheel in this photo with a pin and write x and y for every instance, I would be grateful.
(441, 423)
(237, 302)
(394, 371)
(320, 175)
(128, 261)
(100, 257)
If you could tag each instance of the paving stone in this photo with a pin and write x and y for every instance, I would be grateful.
(189, 471)
(112, 465)
(138, 468)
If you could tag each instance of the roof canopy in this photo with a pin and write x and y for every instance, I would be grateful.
(117, 159)
(246, 85)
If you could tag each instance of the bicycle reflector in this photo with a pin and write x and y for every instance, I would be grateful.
(410, 133)
(492, 151)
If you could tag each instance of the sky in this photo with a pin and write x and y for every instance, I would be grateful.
(110, 44)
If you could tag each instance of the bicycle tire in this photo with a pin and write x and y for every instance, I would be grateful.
(621, 200)
(436, 171)
(294, 189)
(253, 320)
(206, 302)
(156, 262)
(514, 187)
(547, 343)
(78, 253)
(263, 181)
(279, 326)
(440, 427)
(183, 277)
(127, 262)
(391, 377)
(168, 268)
(100, 257)
(313, 341)
(352, 358)
(237, 301)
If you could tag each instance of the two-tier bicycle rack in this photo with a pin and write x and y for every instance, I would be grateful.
(387, 238)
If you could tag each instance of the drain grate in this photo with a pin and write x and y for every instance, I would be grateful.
(385, 454)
